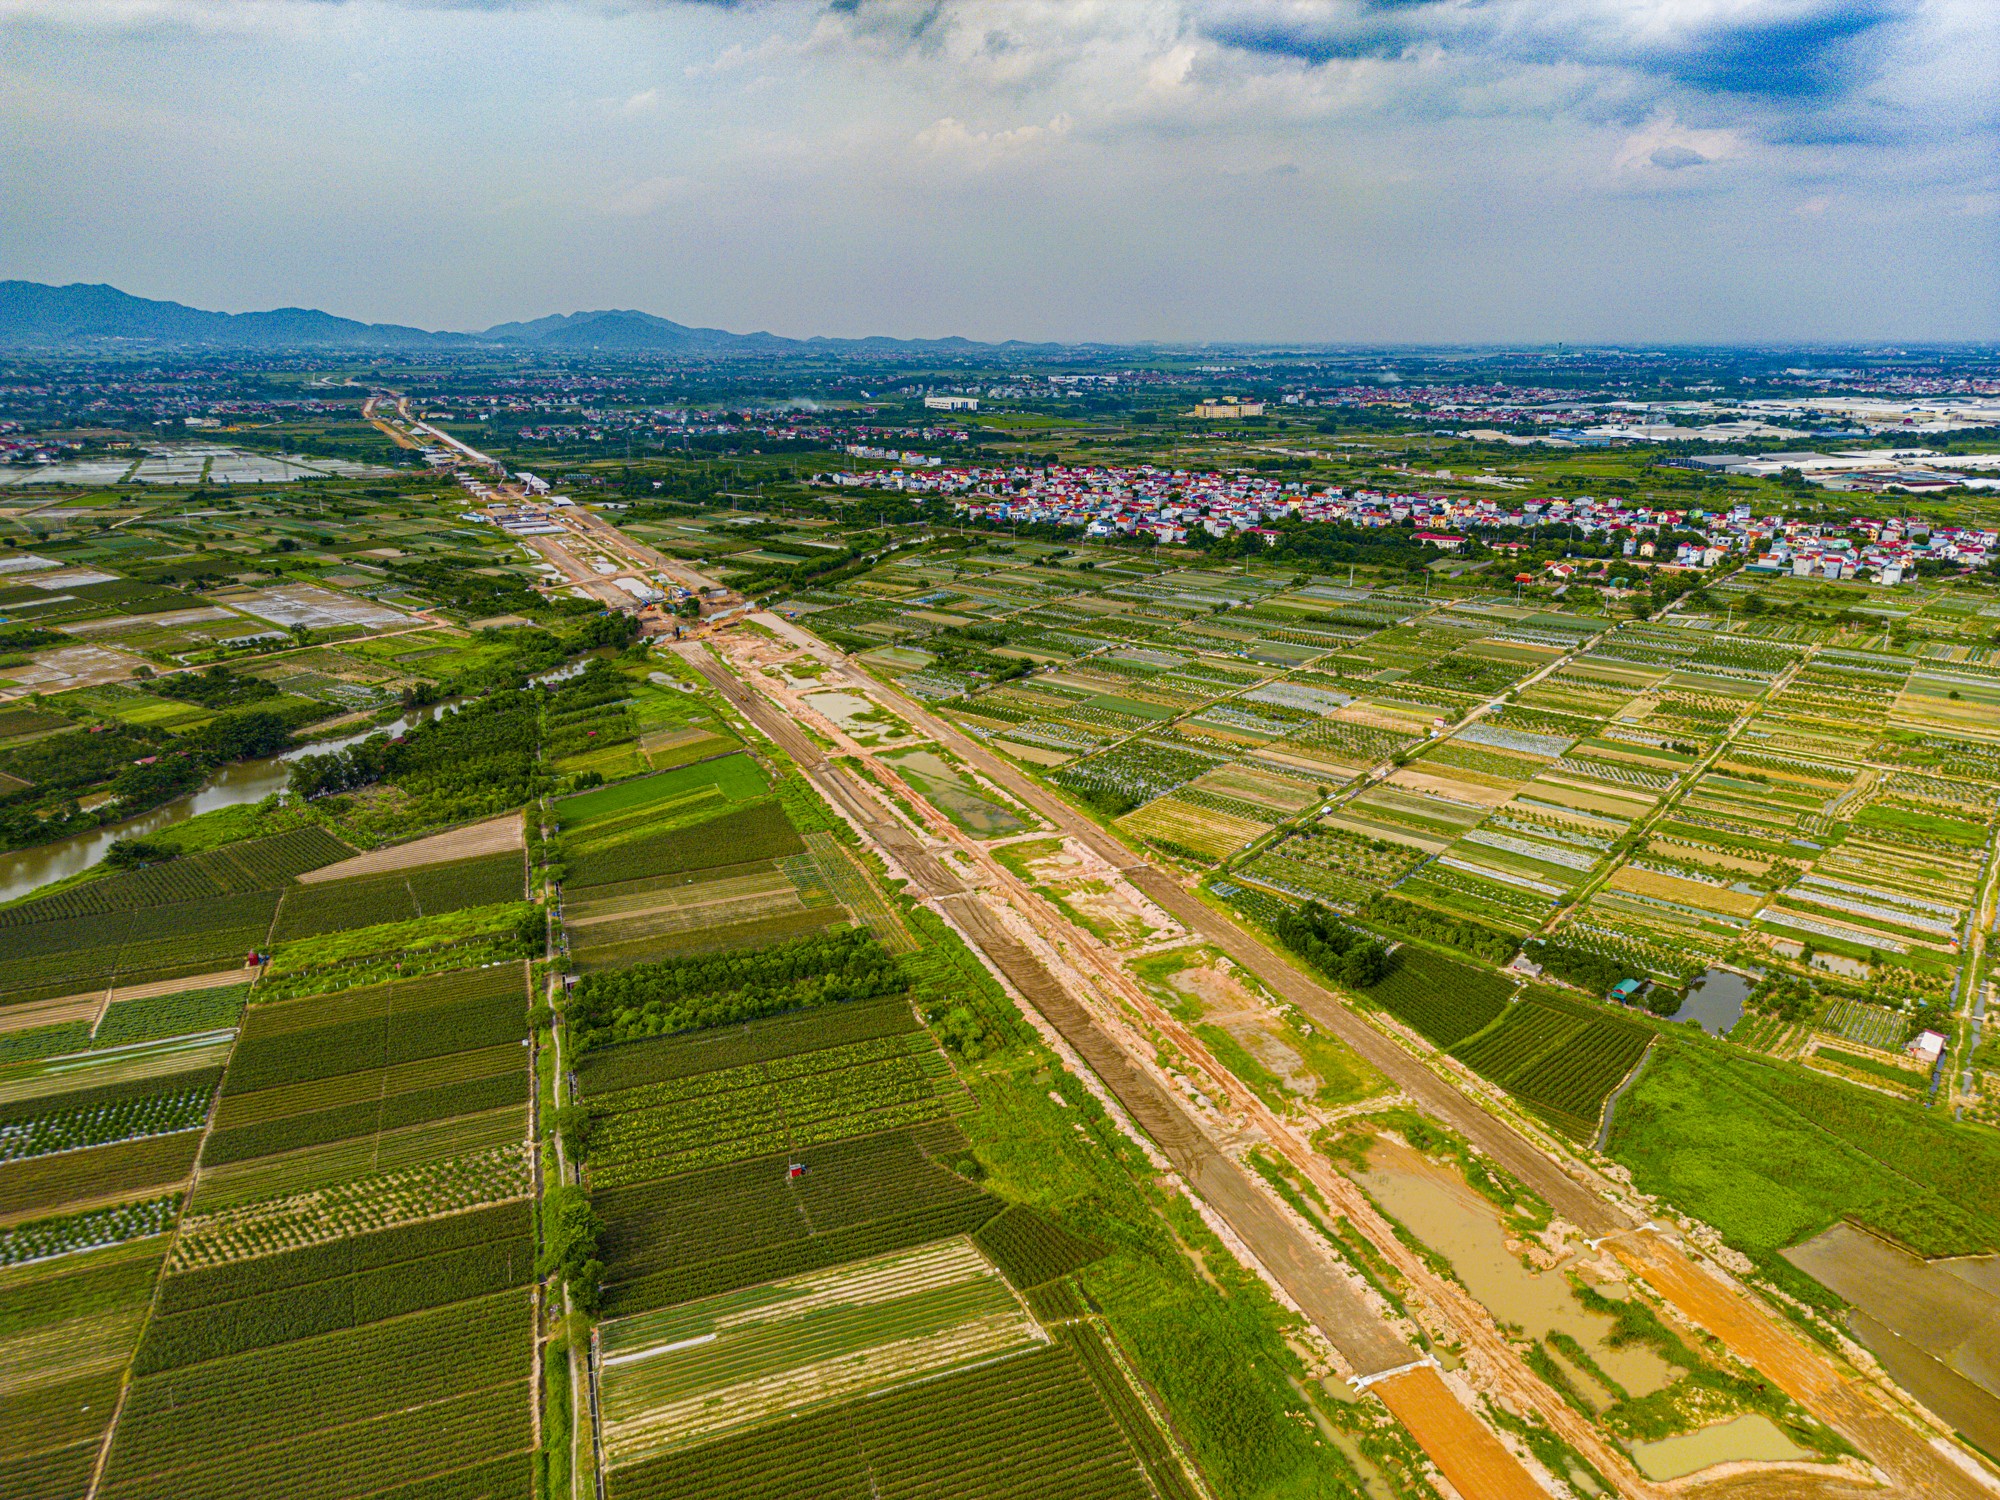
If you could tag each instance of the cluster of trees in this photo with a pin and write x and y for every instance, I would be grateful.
(687, 994)
(218, 687)
(1434, 926)
(28, 638)
(581, 713)
(1338, 951)
(1595, 972)
(479, 760)
(570, 1229)
(1789, 997)
(1323, 544)
(815, 572)
(963, 649)
(455, 583)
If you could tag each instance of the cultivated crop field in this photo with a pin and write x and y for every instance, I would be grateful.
(690, 1373)
(1560, 1057)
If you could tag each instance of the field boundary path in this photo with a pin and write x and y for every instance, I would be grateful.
(1914, 1462)
(1453, 1437)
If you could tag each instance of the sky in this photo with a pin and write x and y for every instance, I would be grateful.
(1423, 171)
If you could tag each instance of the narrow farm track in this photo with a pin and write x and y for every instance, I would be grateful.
(1914, 1462)
(1461, 1447)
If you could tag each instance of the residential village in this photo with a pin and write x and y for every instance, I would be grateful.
(1169, 504)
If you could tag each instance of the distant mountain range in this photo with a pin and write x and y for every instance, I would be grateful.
(85, 318)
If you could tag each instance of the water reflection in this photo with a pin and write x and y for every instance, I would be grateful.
(249, 781)
(1716, 1000)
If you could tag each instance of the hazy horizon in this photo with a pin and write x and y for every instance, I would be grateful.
(1253, 172)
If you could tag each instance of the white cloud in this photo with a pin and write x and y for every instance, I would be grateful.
(953, 138)
(1285, 168)
(647, 197)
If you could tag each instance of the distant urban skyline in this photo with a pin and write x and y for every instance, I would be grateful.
(1175, 171)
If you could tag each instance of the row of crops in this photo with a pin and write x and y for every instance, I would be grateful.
(348, 1295)
(102, 1112)
(791, 1121)
(688, 861)
(100, 1124)
(185, 917)
(1560, 1057)
(322, 1200)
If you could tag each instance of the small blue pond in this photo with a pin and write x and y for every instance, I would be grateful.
(1715, 1000)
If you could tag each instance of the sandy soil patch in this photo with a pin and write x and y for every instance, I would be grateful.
(494, 836)
(70, 667)
(1469, 1455)
(53, 1012)
(1097, 892)
(1452, 789)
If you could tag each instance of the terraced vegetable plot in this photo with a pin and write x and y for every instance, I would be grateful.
(689, 1373)
(698, 818)
(1560, 1057)
(1871, 1025)
(1029, 1425)
(788, 1103)
(362, 1326)
(756, 832)
(1334, 865)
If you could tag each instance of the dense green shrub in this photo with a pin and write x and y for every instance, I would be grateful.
(1434, 926)
(1336, 950)
(687, 994)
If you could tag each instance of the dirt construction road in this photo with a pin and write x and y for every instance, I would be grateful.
(1914, 1462)
(1335, 1308)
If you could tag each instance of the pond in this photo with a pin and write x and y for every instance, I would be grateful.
(1749, 1438)
(1715, 1000)
(955, 796)
(848, 710)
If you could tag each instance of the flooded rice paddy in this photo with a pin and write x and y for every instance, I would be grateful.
(1934, 1325)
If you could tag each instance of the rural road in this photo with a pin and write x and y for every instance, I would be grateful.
(1915, 1462)
(1465, 1451)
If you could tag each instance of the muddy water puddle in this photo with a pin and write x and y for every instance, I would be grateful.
(856, 715)
(1749, 1438)
(960, 800)
(1934, 1325)
(1434, 1203)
